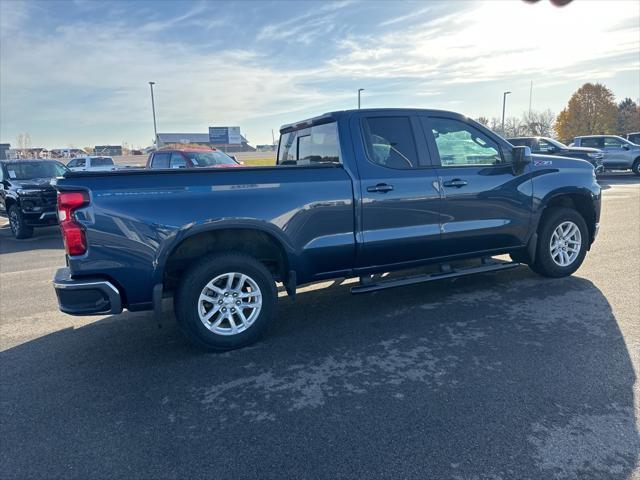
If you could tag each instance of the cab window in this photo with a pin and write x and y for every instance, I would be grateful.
(178, 160)
(544, 146)
(460, 144)
(592, 142)
(613, 142)
(161, 160)
(390, 143)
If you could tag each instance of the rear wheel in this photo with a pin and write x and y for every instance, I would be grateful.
(226, 301)
(636, 167)
(562, 243)
(18, 226)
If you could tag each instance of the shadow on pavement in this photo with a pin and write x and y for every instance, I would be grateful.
(609, 179)
(43, 238)
(495, 376)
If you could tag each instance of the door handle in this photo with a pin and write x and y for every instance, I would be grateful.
(380, 188)
(456, 182)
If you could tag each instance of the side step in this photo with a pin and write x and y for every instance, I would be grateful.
(446, 271)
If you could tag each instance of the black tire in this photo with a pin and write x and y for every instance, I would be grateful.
(194, 281)
(544, 263)
(636, 167)
(19, 228)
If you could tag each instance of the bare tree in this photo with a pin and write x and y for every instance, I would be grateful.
(513, 127)
(483, 120)
(538, 124)
(23, 142)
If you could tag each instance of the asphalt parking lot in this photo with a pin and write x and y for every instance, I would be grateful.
(498, 376)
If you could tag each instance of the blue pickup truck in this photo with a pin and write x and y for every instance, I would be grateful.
(353, 194)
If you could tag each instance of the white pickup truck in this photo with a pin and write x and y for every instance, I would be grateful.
(91, 164)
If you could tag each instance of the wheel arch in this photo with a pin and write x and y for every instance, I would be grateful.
(576, 200)
(256, 240)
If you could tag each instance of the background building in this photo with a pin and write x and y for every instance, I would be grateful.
(202, 139)
(108, 150)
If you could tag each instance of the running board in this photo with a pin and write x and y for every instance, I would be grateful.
(446, 271)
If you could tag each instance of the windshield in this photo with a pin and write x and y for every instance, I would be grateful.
(30, 170)
(209, 159)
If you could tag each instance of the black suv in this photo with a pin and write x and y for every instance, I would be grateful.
(26, 194)
(549, 146)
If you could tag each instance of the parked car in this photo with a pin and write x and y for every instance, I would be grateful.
(190, 158)
(26, 194)
(354, 193)
(549, 146)
(91, 164)
(619, 153)
(634, 137)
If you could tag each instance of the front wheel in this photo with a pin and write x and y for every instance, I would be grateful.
(226, 301)
(636, 167)
(563, 239)
(18, 226)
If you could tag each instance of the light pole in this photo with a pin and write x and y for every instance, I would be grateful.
(153, 109)
(504, 102)
(359, 91)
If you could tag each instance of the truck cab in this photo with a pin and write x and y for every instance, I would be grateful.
(91, 164)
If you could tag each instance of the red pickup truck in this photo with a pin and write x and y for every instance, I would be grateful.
(190, 157)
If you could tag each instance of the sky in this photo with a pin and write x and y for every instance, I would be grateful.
(76, 73)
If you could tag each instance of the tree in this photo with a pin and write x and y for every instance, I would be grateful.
(591, 110)
(23, 142)
(513, 127)
(538, 124)
(628, 117)
(483, 121)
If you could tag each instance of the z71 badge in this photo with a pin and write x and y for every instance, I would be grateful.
(543, 163)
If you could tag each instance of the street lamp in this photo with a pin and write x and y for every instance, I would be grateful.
(504, 102)
(359, 91)
(153, 109)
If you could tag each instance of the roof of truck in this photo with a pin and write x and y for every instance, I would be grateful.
(331, 116)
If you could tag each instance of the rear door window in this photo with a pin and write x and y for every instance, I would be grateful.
(592, 142)
(101, 162)
(390, 142)
(316, 145)
(161, 160)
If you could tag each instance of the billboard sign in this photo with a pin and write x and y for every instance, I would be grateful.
(225, 135)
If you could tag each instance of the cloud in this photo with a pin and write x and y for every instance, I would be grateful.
(157, 26)
(88, 82)
(305, 28)
(403, 18)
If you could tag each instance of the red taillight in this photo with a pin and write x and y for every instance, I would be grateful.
(75, 242)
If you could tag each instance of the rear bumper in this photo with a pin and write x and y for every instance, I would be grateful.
(86, 296)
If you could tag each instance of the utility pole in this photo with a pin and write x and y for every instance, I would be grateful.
(504, 102)
(153, 109)
(359, 91)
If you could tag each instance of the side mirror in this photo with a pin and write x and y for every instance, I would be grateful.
(234, 158)
(625, 146)
(520, 158)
